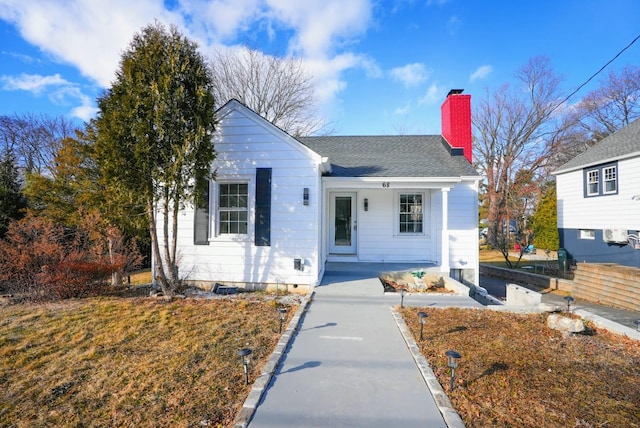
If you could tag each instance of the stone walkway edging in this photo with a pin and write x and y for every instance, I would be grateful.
(262, 382)
(451, 418)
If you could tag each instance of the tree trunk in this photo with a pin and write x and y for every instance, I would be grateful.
(171, 270)
(159, 270)
(116, 275)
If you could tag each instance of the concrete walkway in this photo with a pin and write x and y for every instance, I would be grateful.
(348, 364)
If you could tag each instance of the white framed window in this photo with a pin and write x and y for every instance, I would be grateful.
(593, 179)
(587, 234)
(610, 179)
(233, 208)
(411, 213)
(601, 180)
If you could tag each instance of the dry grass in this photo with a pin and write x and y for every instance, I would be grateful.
(130, 361)
(141, 277)
(516, 372)
(494, 256)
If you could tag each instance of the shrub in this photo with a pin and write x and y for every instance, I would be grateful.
(40, 260)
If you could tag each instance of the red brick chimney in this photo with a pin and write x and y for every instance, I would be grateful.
(456, 121)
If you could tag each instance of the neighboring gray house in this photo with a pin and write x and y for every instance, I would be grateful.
(598, 195)
(280, 207)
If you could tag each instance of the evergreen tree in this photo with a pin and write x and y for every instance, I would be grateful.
(12, 201)
(154, 135)
(544, 222)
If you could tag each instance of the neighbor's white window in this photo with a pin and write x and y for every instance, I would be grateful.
(411, 213)
(593, 178)
(233, 204)
(587, 234)
(609, 179)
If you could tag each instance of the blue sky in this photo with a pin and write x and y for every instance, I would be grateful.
(380, 67)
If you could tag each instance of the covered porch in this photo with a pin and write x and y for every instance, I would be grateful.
(370, 220)
(363, 278)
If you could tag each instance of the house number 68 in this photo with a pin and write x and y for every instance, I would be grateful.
(385, 184)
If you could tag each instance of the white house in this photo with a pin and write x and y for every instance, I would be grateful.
(598, 196)
(279, 207)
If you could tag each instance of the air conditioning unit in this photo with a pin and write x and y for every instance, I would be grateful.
(615, 235)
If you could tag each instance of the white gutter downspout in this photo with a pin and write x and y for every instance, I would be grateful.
(444, 257)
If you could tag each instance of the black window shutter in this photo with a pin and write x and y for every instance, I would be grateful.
(263, 207)
(201, 219)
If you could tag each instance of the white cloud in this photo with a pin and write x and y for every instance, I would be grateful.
(213, 21)
(84, 112)
(326, 74)
(411, 74)
(31, 82)
(401, 111)
(91, 35)
(481, 73)
(432, 96)
(323, 30)
(453, 25)
(58, 90)
(22, 57)
(85, 33)
(321, 25)
(370, 67)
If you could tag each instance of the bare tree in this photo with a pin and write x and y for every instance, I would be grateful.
(512, 130)
(603, 111)
(613, 105)
(279, 89)
(34, 140)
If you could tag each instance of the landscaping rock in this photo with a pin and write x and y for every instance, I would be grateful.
(565, 324)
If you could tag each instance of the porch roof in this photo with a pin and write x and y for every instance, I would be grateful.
(390, 156)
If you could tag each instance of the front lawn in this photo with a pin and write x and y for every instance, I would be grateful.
(130, 361)
(517, 372)
(545, 264)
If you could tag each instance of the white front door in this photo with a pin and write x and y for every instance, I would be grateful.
(343, 226)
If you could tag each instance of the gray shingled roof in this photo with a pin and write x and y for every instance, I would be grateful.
(390, 156)
(617, 145)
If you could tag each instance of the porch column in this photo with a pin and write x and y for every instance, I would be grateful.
(444, 257)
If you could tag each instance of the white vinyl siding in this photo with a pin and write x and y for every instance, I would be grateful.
(244, 144)
(615, 211)
(463, 226)
(378, 239)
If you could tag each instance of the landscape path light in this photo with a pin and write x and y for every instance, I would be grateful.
(402, 293)
(569, 300)
(452, 360)
(245, 357)
(423, 319)
(282, 312)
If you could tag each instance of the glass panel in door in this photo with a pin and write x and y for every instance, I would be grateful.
(343, 224)
(343, 221)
